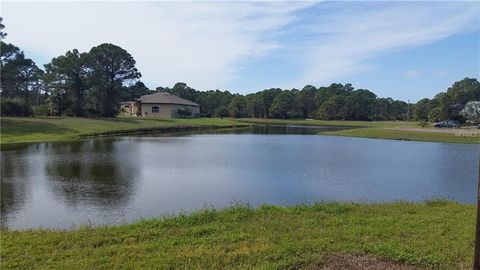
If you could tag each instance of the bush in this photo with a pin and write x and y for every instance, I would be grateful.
(41, 110)
(185, 112)
(15, 107)
(221, 112)
(423, 124)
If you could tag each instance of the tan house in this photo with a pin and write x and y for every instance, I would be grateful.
(162, 105)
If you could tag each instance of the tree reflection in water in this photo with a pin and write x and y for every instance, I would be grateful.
(99, 173)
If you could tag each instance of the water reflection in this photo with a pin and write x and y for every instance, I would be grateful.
(63, 183)
(15, 177)
(95, 172)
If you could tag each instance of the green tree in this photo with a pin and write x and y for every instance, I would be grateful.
(184, 91)
(447, 105)
(256, 106)
(382, 109)
(268, 96)
(359, 105)
(282, 104)
(399, 110)
(421, 109)
(331, 109)
(306, 100)
(238, 107)
(67, 77)
(20, 77)
(134, 91)
(112, 68)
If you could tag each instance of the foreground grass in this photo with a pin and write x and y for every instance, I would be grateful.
(22, 129)
(436, 235)
(378, 130)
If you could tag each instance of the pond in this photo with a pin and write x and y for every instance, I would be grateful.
(122, 179)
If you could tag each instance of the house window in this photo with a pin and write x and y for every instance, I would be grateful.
(155, 109)
(127, 106)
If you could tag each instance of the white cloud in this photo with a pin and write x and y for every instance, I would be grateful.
(201, 43)
(348, 38)
(411, 73)
(206, 44)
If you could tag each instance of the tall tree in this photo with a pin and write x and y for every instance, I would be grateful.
(306, 99)
(268, 96)
(20, 77)
(112, 68)
(282, 104)
(359, 105)
(256, 106)
(135, 91)
(238, 107)
(421, 109)
(184, 91)
(331, 109)
(67, 76)
(382, 109)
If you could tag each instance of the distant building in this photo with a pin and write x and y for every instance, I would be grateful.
(162, 105)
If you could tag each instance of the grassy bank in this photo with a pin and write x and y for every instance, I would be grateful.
(18, 129)
(436, 235)
(378, 130)
(21, 129)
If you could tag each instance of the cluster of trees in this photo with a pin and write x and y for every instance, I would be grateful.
(449, 104)
(93, 83)
(75, 84)
(335, 102)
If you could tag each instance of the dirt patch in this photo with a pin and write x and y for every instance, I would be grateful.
(359, 262)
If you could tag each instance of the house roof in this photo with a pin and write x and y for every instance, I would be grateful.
(165, 98)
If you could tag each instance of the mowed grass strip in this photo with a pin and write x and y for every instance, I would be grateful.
(38, 129)
(23, 129)
(378, 130)
(434, 235)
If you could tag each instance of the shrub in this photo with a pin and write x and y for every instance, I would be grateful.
(184, 112)
(15, 107)
(41, 110)
(423, 124)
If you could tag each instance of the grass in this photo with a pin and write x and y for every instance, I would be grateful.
(434, 234)
(19, 130)
(378, 130)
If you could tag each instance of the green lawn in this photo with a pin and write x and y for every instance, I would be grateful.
(377, 130)
(22, 129)
(435, 235)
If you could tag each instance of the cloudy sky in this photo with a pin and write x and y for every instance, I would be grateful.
(405, 50)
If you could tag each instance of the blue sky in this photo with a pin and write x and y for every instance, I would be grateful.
(404, 50)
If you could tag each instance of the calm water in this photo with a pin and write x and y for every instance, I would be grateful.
(115, 180)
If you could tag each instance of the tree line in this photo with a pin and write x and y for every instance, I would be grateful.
(93, 83)
(334, 102)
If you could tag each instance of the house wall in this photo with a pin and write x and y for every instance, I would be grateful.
(125, 110)
(166, 110)
(129, 109)
(135, 108)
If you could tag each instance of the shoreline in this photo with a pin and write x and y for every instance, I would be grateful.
(17, 130)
